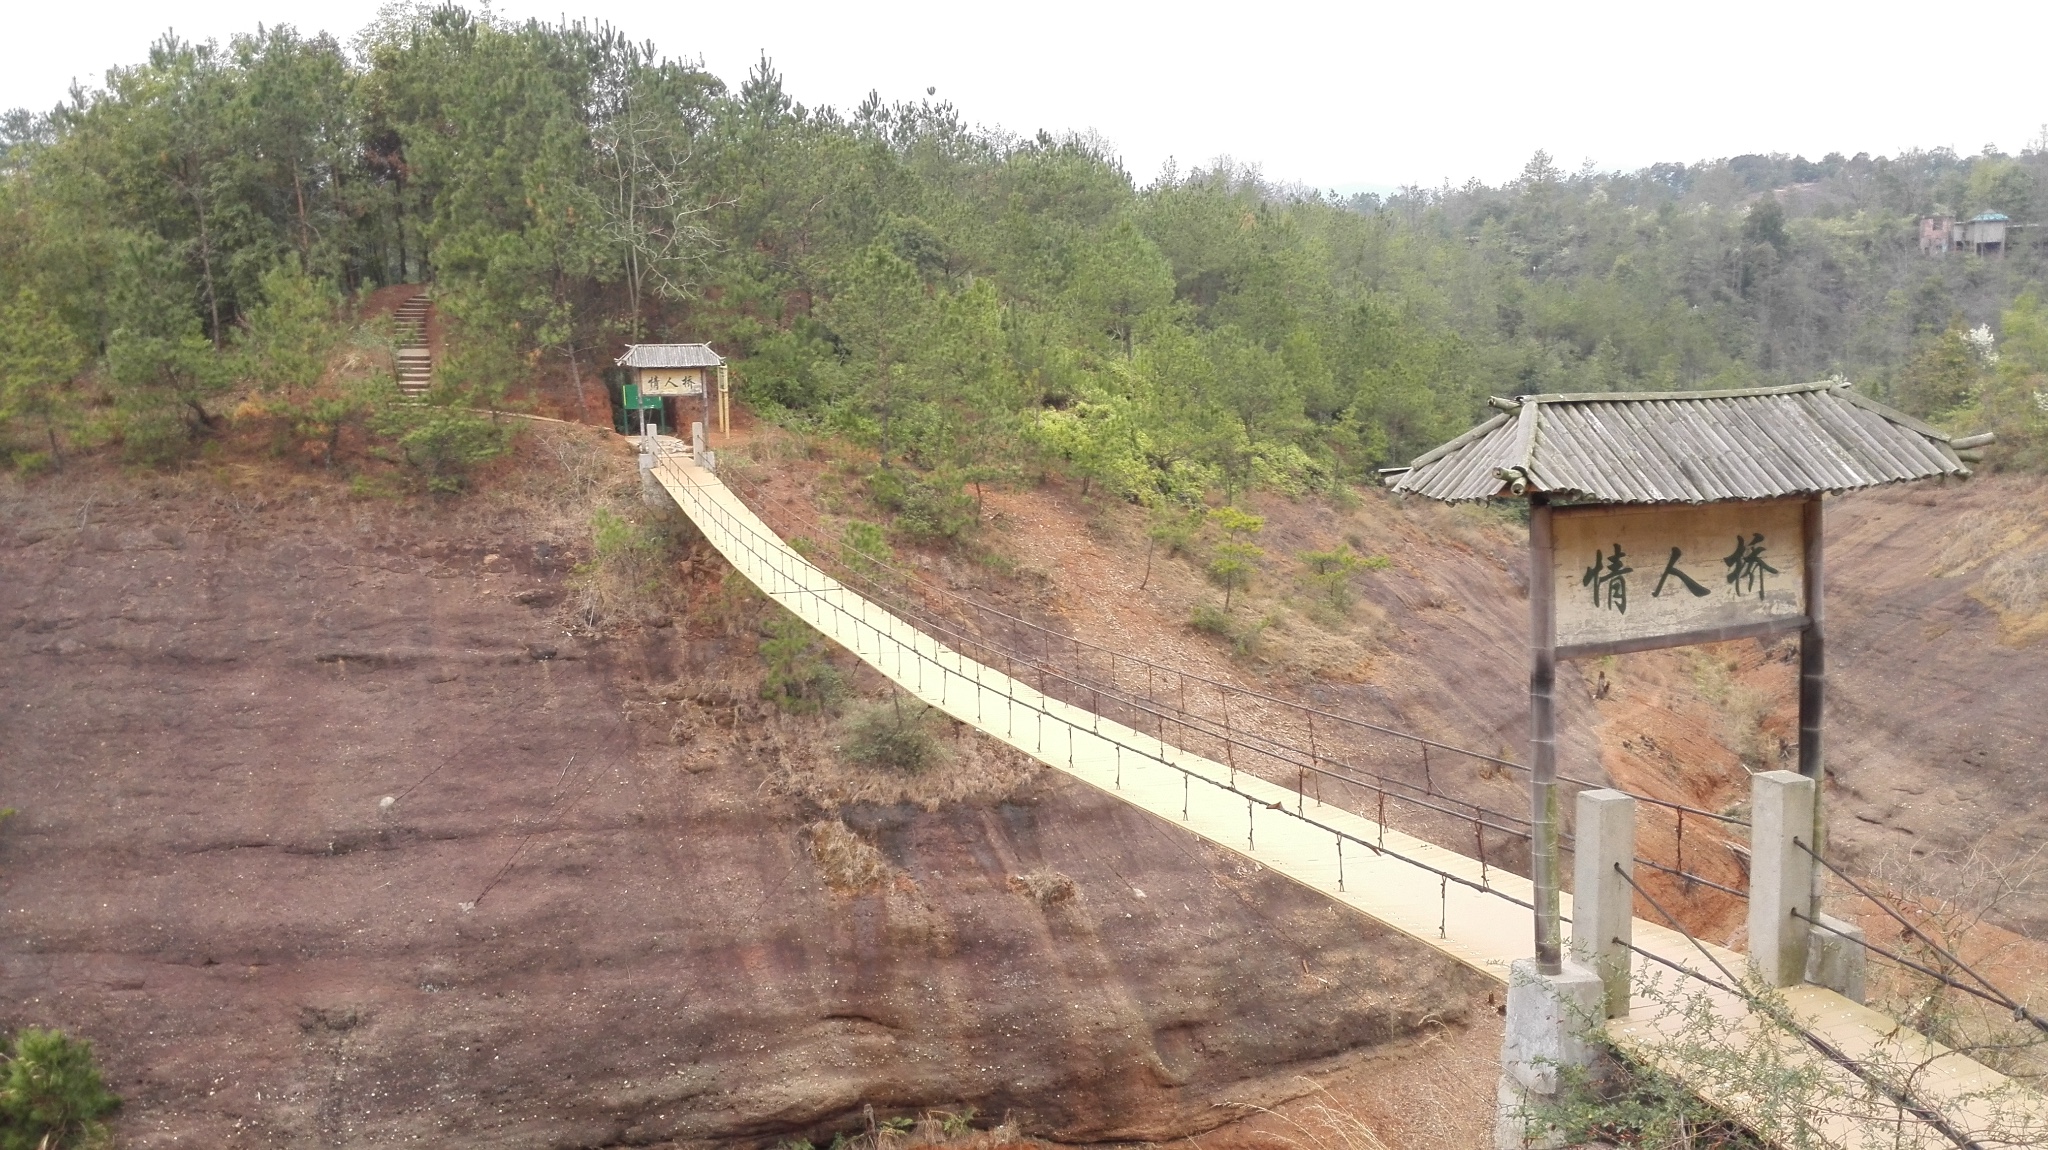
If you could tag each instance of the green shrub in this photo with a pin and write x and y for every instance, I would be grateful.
(313, 423)
(1236, 559)
(51, 1095)
(926, 507)
(156, 436)
(799, 679)
(892, 737)
(444, 444)
(1232, 567)
(1243, 638)
(1174, 529)
(1329, 573)
(630, 572)
(286, 337)
(1210, 620)
(865, 548)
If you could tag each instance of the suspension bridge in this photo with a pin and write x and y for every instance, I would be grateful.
(1884, 1085)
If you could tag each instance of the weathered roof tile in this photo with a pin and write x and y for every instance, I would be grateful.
(669, 355)
(1685, 447)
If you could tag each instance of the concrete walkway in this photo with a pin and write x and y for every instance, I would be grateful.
(1471, 912)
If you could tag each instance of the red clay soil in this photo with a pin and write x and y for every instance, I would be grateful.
(1435, 645)
(589, 916)
(1936, 764)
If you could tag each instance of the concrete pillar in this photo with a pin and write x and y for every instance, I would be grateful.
(1551, 1023)
(1780, 876)
(651, 491)
(1603, 902)
(706, 458)
(1835, 962)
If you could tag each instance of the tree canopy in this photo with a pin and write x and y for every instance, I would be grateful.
(937, 290)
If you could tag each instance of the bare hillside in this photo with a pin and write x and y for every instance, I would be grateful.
(617, 899)
(1938, 605)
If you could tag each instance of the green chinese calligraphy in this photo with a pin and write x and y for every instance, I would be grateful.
(1746, 566)
(1608, 577)
(1670, 570)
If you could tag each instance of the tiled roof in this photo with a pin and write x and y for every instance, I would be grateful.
(669, 355)
(1684, 447)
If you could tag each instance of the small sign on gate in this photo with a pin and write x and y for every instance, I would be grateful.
(1630, 577)
(687, 381)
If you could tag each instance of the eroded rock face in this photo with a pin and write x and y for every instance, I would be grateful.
(587, 918)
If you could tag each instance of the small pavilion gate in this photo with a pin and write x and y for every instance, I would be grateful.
(1661, 520)
(676, 371)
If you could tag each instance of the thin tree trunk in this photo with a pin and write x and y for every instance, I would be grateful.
(398, 203)
(305, 230)
(1149, 545)
(50, 429)
(576, 379)
(887, 408)
(206, 267)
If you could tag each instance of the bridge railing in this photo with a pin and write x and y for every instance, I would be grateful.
(1351, 759)
(1104, 751)
(909, 655)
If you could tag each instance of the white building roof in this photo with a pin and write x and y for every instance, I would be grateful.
(669, 355)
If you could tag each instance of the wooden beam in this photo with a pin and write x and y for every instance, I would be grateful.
(1813, 681)
(1543, 864)
(1785, 625)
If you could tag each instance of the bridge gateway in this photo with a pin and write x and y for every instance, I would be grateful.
(1462, 906)
(1665, 519)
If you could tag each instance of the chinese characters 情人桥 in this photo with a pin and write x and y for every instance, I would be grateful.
(1746, 566)
(1610, 576)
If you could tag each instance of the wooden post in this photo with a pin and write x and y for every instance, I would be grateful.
(724, 403)
(1543, 863)
(1813, 679)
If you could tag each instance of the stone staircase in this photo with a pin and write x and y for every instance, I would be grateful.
(415, 358)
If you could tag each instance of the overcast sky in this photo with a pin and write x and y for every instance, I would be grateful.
(1353, 96)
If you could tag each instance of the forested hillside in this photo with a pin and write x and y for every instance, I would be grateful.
(179, 247)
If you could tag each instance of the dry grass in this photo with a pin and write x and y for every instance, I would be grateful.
(2010, 548)
(1956, 906)
(1743, 708)
(972, 769)
(1044, 887)
(1977, 537)
(2016, 583)
(1323, 1124)
(1305, 642)
(932, 1128)
(849, 863)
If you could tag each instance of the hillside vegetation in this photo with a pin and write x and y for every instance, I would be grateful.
(177, 243)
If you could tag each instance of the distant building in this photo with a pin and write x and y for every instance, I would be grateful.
(1983, 234)
(1935, 234)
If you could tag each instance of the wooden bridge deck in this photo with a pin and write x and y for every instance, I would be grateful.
(1469, 911)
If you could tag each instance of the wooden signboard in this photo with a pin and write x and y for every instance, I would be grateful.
(1634, 577)
(666, 381)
